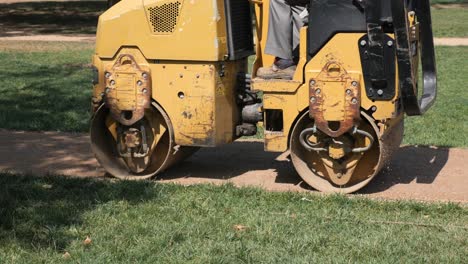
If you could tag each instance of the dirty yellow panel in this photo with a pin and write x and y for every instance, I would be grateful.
(200, 104)
(276, 141)
(281, 86)
(198, 30)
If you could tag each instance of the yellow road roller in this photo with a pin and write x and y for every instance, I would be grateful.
(172, 76)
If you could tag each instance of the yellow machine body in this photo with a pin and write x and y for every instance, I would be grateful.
(165, 85)
(292, 96)
(184, 63)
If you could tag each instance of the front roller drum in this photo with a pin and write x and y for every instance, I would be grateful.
(348, 173)
(157, 154)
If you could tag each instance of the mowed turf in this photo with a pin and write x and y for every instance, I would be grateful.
(446, 123)
(450, 22)
(147, 222)
(45, 90)
(50, 90)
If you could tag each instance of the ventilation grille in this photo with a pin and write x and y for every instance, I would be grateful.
(164, 18)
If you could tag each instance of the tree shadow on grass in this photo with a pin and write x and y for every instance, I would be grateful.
(49, 96)
(38, 212)
(32, 18)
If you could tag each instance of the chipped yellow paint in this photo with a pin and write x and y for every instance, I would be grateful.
(278, 86)
(334, 101)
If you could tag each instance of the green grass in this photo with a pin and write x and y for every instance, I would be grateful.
(450, 22)
(446, 123)
(46, 90)
(147, 222)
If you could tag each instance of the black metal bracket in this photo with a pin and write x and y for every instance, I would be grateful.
(410, 49)
(378, 69)
(377, 53)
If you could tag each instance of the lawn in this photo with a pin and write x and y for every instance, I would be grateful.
(450, 22)
(446, 123)
(147, 222)
(45, 90)
(50, 90)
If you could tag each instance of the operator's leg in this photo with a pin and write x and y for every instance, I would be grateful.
(280, 30)
(298, 23)
(283, 38)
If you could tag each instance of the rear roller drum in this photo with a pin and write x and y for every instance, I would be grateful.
(346, 163)
(139, 151)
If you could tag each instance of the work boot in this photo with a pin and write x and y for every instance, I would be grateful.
(281, 69)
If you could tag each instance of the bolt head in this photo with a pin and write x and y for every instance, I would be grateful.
(318, 91)
(145, 90)
(363, 43)
(380, 92)
(354, 101)
(112, 82)
(354, 83)
(390, 43)
(107, 75)
(145, 75)
(139, 83)
(107, 90)
(313, 100)
(374, 108)
(348, 91)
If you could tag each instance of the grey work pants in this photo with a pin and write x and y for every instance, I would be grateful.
(283, 29)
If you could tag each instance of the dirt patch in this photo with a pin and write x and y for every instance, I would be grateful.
(420, 173)
(451, 41)
(89, 38)
(55, 38)
(450, 6)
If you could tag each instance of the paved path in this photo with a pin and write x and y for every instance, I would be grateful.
(421, 173)
(92, 38)
(451, 41)
(59, 38)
